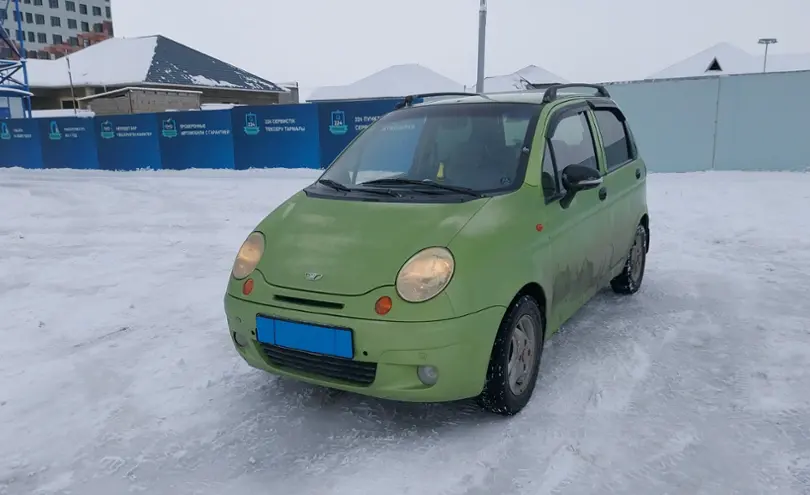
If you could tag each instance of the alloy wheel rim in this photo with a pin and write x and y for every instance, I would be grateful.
(637, 258)
(521, 355)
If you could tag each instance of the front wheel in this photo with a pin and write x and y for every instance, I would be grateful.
(515, 359)
(629, 281)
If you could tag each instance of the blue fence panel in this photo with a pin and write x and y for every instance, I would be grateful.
(284, 136)
(68, 142)
(673, 121)
(341, 121)
(762, 122)
(746, 122)
(20, 144)
(128, 142)
(196, 139)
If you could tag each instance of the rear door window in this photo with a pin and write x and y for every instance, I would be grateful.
(615, 139)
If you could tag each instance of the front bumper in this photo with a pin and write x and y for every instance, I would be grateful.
(458, 348)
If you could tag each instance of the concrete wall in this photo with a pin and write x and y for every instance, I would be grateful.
(236, 97)
(143, 102)
(49, 99)
(289, 98)
(740, 122)
(53, 99)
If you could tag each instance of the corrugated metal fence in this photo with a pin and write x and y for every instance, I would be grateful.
(739, 122)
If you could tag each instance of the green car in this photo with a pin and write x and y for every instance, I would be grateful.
(435, 255)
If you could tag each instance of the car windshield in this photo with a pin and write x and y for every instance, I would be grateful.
(452, 147)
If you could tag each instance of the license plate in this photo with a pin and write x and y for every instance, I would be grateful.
(305, 337)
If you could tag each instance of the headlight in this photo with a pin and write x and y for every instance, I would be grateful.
(249, 255)
(425, 275)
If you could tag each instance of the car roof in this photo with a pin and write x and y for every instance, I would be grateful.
(532, 96)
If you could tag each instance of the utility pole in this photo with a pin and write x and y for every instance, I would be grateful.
(72, 90)
(766, 42)
(482, 34)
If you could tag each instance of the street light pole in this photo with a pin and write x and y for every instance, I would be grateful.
(482, 33)
(766, 42)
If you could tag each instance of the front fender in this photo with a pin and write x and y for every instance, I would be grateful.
(498, 252)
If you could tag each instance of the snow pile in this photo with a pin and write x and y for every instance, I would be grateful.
(117, 374)
(49, 114)
(219, 106)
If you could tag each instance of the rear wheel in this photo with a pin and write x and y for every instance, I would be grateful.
(629, 281)
(515, 359)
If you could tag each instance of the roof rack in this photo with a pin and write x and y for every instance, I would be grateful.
(408, 101)
(551, 93)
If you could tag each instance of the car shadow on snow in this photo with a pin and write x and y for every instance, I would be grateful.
(604, 318)
(318, 401)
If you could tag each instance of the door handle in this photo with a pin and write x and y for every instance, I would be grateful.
(638, 173)
(603, 193)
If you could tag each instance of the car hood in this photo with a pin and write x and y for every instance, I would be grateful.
(354, 247)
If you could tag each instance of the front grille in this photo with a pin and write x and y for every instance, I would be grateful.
(308, 302)
(345, 370)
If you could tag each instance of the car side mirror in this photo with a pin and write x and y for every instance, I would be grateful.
(578, 178)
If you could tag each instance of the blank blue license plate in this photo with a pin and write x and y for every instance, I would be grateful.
(305, 337)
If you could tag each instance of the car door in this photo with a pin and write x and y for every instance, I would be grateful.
(575, 230)
(624, 176)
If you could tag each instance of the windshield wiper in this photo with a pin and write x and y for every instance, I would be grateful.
(334, 185)
(425, 182)
(343, 188)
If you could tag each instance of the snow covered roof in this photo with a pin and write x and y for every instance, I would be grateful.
(148, 60)
(6, 91)
(519, 80)
(397, 80)
(725, 58)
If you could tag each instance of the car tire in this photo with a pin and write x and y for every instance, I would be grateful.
(522, 331)
(629, 281)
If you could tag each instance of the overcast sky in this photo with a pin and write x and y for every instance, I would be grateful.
(329, 42)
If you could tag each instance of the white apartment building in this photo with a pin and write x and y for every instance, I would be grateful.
(51, 28)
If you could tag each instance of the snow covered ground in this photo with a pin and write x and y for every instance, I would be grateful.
(117, 374)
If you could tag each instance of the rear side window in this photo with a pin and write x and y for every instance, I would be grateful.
(614, 137)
